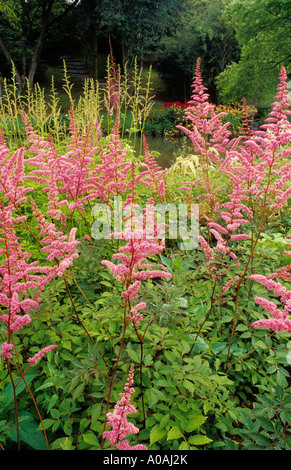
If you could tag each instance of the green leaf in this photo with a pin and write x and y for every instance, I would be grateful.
(47, 384)
(281, 380)
(218, 347)
(165, 419)
(68, 426)
(199, 345)
(195, 423)
(184, 446)
(261, 344)
(156, 434)
(134, 356)
(189, 385)
(90, 438)
(148, 360)
(174, 433)
(265, 423)
(153, 396)
(260, 439)
(78, 391)
(221, 379)
(28, 432)
(242, 327)
(67, 444)
(199, 440)
(7, 395)
(46, 423)
(53, 401)
(55, 413)
(96, 411)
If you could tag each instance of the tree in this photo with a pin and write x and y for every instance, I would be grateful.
(137, 25)
(24, 25)
(202, 29)
(263, 33)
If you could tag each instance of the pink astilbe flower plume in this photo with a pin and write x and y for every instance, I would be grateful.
(142, 239)
(153, 174)
(55, 242)
(5, 350)
(279, 320)
(258, 173)
(121, 427)
(209, 135)
(19, 276)
(33, 360)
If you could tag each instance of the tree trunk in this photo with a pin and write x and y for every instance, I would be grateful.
(9, 59)
(40, 42)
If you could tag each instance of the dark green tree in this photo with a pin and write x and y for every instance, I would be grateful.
(137, 26)
(263, 31)
(24, 25)
(202, 29)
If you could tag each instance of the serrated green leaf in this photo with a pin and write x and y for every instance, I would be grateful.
(90, 438)
(194, 423)
(67, 444)
(189, 385)
(78, 390)
(156, 434)
(68, 426)
(28, 432)
(199, 345)
(260, 439)
(165, 419)
(281, 379)
(46, 423)
(199, 440)
(67, 344)
(261, 344)
(245, 419)
(96, 411)
(55, 413)
(153, 396)
(242, 327)
(265, 423)
(184, 446)
(174, 433)
(133, 355)
(7, 395)
(221, 379)
(53, 401)
(218, 347)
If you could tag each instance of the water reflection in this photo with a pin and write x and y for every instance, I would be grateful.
(168, 150)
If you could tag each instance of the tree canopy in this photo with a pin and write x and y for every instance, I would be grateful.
(242, 43)
(263, 33)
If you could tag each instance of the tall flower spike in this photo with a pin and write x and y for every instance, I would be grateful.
(118, 419)
(153, 174)
(209, 135)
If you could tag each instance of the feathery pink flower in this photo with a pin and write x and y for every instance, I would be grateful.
(5, 350)
(121, 427)
(33, 360)
(279, 320)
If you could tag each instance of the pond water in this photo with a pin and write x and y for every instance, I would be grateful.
(167, 149)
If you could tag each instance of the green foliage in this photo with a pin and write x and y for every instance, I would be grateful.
(202, 29)
(204, 378)
(262, 30)
(266, 425)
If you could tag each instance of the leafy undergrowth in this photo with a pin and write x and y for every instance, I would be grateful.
(113, 336)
